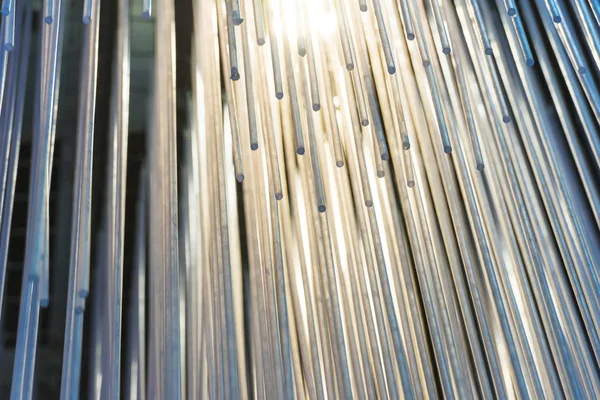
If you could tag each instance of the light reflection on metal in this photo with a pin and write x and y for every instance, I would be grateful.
(79, 266)
(114, 206)
(476, 207)
(371, 199)
(164, 338)
(12, 122)
(36, 266)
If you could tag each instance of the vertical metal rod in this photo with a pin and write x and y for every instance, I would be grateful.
(81, 221)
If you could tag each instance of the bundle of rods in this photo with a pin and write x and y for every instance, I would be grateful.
(367, 199)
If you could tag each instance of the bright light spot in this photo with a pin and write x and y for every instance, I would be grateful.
(322, 22)
(287, 19)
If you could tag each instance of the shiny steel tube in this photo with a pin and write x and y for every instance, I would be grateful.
(82, 207)
(419, 218)
(11, 138)
(36, 240)
(164, 357)
(115, 203)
